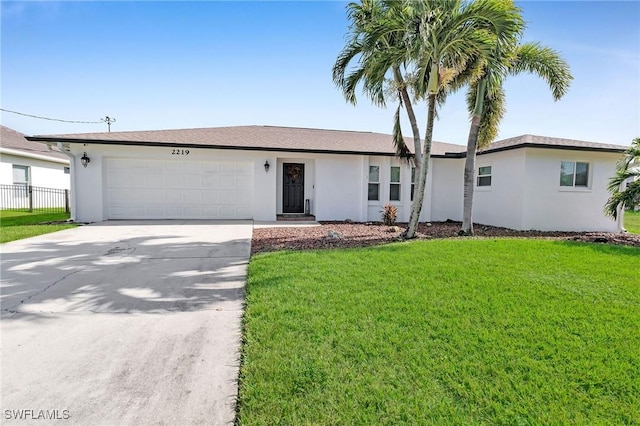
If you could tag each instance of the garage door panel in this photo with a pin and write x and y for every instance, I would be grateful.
(194, 197)
(209, 181)
(192, 181)
(244, 212)
(244, 197)
(173, 166)
(152, 177)
(243, 185)
(244, 168)
(227, 198)
(210, 168)
(175, 189)
(227, 181)
(227, 168)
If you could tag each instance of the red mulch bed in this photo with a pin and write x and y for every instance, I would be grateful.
(369, 234)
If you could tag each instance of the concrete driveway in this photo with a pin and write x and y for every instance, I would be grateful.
(124, 322)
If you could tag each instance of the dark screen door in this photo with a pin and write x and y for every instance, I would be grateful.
(293, 188)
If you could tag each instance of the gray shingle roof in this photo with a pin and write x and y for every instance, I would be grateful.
(274, 138)
(548, 142)
(257, 138)
(12, 139)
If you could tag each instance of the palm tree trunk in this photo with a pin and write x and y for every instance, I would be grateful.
(404, 94)
(470, 162)
(469, 177)
(418, 198)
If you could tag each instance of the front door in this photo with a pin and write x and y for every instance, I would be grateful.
(293, 188)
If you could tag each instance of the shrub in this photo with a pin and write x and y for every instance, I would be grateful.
(389, 215)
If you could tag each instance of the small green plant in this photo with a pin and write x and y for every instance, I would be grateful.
(389, 215)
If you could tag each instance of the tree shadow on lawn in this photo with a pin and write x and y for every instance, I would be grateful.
(604, 247)
(156, 274)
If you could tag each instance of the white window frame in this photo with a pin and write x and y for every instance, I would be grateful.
(373, 182)
(573, 186)
(413, 182)
(484, 175)
(27, 169)
(397, 183)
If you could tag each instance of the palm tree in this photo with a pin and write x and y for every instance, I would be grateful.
(435, 41)
(627, 171)
(448, 39)
(375, 59)
(486, 101)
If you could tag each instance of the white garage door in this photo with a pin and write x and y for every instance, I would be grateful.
(174, 189)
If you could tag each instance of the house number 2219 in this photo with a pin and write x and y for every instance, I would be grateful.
(179, 152)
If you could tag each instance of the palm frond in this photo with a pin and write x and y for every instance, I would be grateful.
(627, 172)
(492, 112)
(545, 63)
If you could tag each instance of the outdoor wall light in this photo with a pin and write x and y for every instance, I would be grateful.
(267, 166)
(85, 160)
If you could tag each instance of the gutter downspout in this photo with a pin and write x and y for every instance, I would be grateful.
(72, 171)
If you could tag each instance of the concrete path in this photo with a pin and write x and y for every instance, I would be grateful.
(123, 322)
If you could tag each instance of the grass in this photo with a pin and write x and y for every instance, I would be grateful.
(16, 225)
(632, 221)
(443, 332)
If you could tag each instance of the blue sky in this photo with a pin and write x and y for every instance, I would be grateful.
(164, 65)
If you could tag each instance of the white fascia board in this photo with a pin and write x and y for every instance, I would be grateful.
(18, 153)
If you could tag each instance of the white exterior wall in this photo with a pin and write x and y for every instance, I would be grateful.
(446, 186)
(89, 202)
(501, 204)
(48, 174)
(340, 191)
(374, 208)
(550, 207)
(334, 184)
(525, 191)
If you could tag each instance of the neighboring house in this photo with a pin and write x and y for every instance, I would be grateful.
(24, 162)
(261, 172)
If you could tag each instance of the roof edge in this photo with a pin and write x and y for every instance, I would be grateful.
(560, 147)
(462, 154)
(42, 157)
(196, 146)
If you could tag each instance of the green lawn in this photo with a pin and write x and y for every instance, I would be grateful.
(442, 332)
(16, 225)
(632, 221)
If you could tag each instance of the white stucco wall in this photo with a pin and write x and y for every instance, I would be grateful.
(48, 174)
(447, 176)
(550, 207)
(90, 204)
(501, 204)
(525, 191)
(333, 183)
(339, 187)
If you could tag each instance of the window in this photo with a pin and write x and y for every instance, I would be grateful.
(67, 170)
(394, 186)
(574, 173)
(20, 175)
(374, 183)
(413, 181)
(484, 176)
